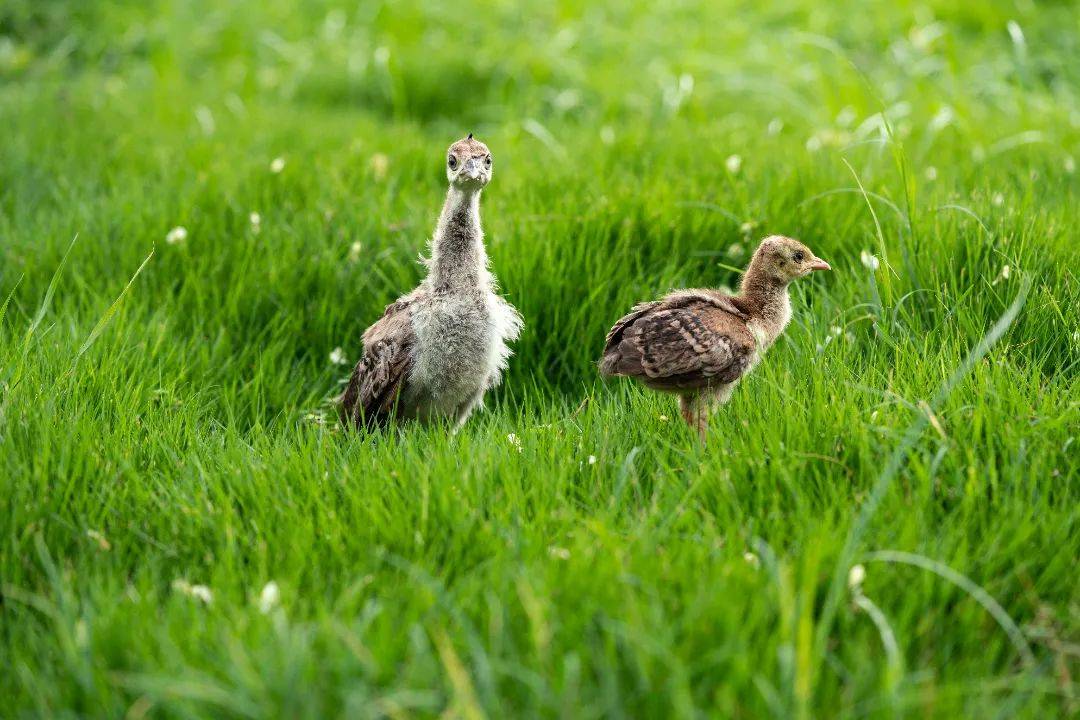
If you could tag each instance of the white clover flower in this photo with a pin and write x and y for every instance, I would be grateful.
(337, 356)
(380, 164)
(354, 251)
(663, 418)
(776, 125)
(869, 260)
(1005, 272)
(559, 552)
(515, 441)
(733, 164)
(256, 222)
(1069, 164)
(269, 598)
(855, 577)
(199, 592)
(930, 173)
(592, 460)
(277, 165)
(177, 235)
(998, 200)
(752, 560)
(813, 144)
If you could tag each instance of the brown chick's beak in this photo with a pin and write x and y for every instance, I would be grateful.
(819, 264)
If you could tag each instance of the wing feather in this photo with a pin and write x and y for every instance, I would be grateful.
(379, 376)
(688, 340)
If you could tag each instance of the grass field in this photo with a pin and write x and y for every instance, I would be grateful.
(186, 533)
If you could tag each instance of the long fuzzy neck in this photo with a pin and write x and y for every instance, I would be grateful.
(458, 258)
(767, 297)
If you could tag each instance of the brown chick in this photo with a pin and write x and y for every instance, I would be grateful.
(698, 343)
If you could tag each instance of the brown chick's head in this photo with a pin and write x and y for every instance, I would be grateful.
(468, 164)
(784, 259)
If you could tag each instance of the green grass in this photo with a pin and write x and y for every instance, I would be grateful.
(573, 552)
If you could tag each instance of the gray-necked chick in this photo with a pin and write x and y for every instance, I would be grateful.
(436, 351)
(698, 343)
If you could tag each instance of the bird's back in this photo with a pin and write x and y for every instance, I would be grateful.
(687, 341)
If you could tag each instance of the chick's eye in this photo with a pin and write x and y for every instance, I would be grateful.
(452, 162)
(799, 257)
(487, 161)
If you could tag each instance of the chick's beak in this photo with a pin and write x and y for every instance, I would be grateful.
(474, 168)
(819, 264)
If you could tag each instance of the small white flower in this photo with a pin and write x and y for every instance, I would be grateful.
(663, 418)
(337, 356)
(1070, 164)
(607, 135)
(930, 173)
(515, 441)
(1005, 272)
(559, 552)
(269, 598)
(177, 235)
(592, 460)
(380, 164)
(855, 577)
(813, 144)
(998, 199)
(256, 222)
(775, 126)
(835, 330)
(354, 251)
(752, 559)
(735, 250)
(199, 592)
(733, 164)
(277, 165)
(869, 260)
(382, 55)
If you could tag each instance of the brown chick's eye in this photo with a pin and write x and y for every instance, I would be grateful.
(452, 162)
(799, 257)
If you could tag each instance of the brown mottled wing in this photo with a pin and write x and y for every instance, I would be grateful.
(687, 344)
(615, 333)
(377, 379)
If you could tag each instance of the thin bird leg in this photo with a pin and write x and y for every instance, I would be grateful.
(695, 411)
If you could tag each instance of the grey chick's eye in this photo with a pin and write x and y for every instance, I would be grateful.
(799, 256)
(452, 162)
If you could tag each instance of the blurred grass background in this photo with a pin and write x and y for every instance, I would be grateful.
(556, 558)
